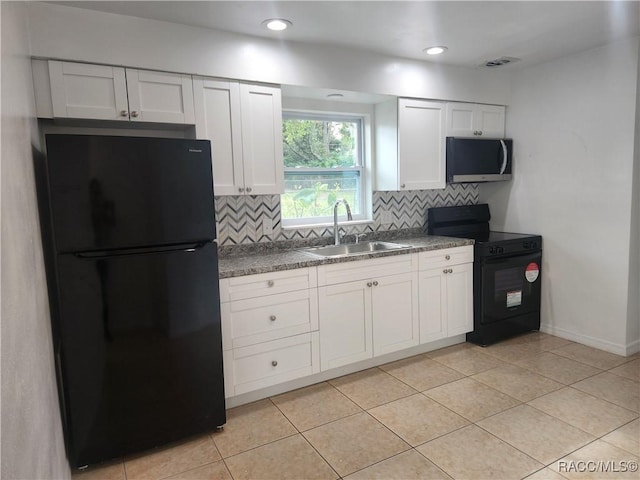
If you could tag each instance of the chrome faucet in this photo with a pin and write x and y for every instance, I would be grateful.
(336, 233)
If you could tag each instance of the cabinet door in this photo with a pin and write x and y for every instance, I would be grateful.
(433, 298)
(261, 112)
(217, 110)
(395, 313)
(160, 97)
(461, 120)
(490, 121)
(421, 144)
(345, 324)
(459, 299)
(88, 91)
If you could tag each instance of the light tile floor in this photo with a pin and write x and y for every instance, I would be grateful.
(535, 406)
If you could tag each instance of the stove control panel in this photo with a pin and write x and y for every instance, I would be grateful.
(495, 250)
(530, 245)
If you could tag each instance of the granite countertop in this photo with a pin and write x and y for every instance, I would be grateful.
(264, 258)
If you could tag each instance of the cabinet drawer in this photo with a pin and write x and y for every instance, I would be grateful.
(274, 362)
(250, 286)
(446, 256)
(261, 319)
(335, 273)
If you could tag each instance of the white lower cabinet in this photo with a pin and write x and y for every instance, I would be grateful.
(269, 363)
(370, 316)
(281, 326)
(446, 293)
(269, 329)
(346, 324)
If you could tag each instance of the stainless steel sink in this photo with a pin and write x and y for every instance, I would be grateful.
(348, 249)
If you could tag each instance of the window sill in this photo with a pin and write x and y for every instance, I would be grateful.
(341, 224)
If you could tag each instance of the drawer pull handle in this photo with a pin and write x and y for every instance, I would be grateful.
(272, 318)
(375, 283)
(447, 257)
(274, 363)
(271, 283)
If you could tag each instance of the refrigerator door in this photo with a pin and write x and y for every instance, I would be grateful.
(121, 192)
(141, 350)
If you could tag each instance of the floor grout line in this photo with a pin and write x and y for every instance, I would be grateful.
(415, 391)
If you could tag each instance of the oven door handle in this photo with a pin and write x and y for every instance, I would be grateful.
(504, 157)
(516, 258)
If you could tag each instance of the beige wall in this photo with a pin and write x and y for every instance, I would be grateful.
(573, 124)
(32, 441)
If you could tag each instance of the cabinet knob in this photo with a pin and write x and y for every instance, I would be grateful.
(444, 271)
(241, 189)
(402, 186)
(375, 283)
(274, 363)
(124, 113)
(480, 132)
(271, 283)
(369, 284)
(272, 318)
(450, 270)
(134, 114)
(447, 257)
(248, 189)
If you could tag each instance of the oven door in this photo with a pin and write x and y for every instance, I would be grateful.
(508, 286)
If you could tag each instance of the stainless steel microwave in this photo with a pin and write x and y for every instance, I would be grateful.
(471, 160)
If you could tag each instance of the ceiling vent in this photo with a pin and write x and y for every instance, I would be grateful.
(498, 62)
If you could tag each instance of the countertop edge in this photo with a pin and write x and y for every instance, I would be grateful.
(252, 264)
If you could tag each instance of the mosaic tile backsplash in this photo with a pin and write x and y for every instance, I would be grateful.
(256, 218)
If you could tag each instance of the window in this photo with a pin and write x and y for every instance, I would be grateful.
(323, 162)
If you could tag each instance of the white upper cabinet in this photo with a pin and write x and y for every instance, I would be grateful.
(475, 120)
(160, 97)
(261, 112)
(410, 145)
(244, 124)
(217, 105)
(99, 92)
(88, 91)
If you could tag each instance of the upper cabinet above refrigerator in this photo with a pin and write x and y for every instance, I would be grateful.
(475, 120)
(103, 92)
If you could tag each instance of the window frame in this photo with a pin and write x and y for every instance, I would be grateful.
(364, 168)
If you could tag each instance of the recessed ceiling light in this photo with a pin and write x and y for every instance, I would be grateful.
(277, 24)
(435, 50)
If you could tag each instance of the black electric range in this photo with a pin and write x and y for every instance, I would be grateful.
(506, 272)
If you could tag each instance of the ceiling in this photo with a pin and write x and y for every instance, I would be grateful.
(474, 32)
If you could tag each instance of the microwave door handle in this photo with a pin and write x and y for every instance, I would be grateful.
(504, 157)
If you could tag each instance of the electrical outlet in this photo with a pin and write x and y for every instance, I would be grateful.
(267, 228)
(386, 218)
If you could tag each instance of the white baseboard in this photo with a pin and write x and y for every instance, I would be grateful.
(618, 349)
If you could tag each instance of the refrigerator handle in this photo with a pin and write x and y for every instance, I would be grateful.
(184, 247)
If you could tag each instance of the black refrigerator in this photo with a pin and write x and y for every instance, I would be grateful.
(129, 226)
